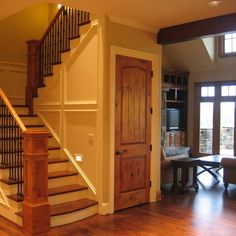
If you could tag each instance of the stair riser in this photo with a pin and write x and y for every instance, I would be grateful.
(58, 167)
(19, 101)
(4, 173)
(65, 56)
(67, 197)
(54, 153)
(10, 215)
(22, 110)
(56, 69)
(55, 199)
(31, 121)
(52, 142)
(15, 206)
(8, 189)
(58, 182)
(83, 30)
(62, 166)
(74, 216)
(55, 182)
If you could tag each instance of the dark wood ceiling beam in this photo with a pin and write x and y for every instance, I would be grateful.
(196, 29)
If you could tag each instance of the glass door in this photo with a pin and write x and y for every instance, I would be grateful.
(206, 128)
(227, 117)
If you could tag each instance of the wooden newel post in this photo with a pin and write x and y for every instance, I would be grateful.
(33, 72)
(36, 211)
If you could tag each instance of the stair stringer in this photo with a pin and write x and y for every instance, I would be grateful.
(78, 45)
(42, 106)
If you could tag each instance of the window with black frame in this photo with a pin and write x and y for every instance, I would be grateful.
(215, 121)
(227, 44)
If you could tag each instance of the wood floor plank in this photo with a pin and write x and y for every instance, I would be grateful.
(209, 212)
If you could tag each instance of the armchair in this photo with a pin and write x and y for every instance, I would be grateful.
(229, 167)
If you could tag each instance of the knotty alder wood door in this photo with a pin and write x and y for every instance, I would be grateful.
(132, 135)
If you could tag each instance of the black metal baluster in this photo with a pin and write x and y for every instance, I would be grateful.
(21, 163)
(4, 135)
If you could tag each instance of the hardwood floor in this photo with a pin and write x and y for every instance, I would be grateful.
(209, 212)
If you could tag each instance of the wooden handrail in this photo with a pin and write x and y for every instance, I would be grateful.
(12, 110)
(52, 23)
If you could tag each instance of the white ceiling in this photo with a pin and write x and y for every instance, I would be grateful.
(150, 15)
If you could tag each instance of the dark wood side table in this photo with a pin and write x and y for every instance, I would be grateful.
(184, 164)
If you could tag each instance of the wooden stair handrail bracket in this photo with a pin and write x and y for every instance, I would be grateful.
(46, 52)
(36, 209)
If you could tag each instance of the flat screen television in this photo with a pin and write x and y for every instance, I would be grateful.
(174, 119)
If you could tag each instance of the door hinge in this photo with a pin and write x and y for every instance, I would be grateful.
(151, 110)
(150, 183)
(151, 73)
(150, 147)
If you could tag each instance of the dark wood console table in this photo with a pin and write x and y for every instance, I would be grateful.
(184, 164)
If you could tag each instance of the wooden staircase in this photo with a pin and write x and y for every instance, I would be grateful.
(69, 200)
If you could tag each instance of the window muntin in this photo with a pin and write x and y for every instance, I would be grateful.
(207, 91)
(228, 90)
(230, 43)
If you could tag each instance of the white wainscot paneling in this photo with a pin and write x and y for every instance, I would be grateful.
(52, 119)
(50, 94)
(82, 71)
(80, 138)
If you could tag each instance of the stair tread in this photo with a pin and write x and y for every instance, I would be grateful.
(9, 181)
(57, 160)
(16, 198)
(3, 166)
(20, 105)
(57, 174)
(53, 191)
(53, 147)
(51, 175)
(34, 126)
(66, 189)
(50, 161)
(27, 115)
(68, 207)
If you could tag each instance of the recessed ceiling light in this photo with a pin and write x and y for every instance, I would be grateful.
(214, 3)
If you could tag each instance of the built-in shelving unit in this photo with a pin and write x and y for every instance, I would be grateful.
(175, 98)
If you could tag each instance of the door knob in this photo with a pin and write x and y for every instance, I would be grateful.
(117, 152)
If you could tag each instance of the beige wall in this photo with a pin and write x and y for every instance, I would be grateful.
(13, 80)
(17, 29)
(14, 32)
